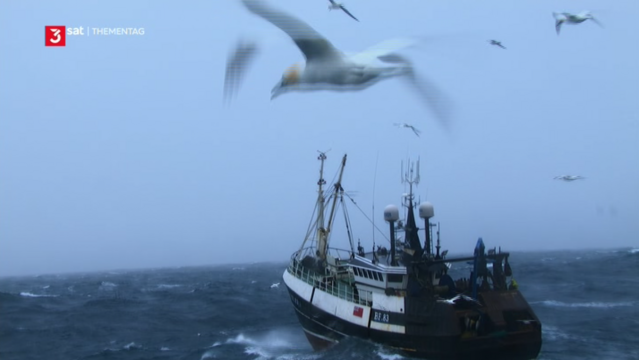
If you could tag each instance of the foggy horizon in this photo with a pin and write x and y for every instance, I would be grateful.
(117, 152)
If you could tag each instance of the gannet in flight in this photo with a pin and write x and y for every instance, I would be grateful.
(496, 43)
(408, 126)
(569, 177)
(327, 68)
(336, 6)
(458, 297)
(573, 19)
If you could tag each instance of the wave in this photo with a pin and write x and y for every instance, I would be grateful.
(603, 305)
(107, 286)
(274, 345)
(28, 294)
(382, 354)
(550, 332)
(168, 286)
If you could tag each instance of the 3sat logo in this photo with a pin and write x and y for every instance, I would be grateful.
(55, 36)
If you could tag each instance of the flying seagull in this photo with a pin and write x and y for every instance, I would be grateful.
(338, 6)
(569, 177)
(568, 18)
(408, 126)
(327, 68)
(496, 43)
(462, 297)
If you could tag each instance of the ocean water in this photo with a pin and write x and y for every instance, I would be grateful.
(588, 302)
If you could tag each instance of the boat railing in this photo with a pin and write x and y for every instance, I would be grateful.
(330, 283)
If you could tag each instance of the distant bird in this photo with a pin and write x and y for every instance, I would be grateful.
(568, 18)
(569, 177)
(340, 6)
(327, 68)
(275, 285)
(454, 300)
(236, 65)
(496, 43)
(409, 127)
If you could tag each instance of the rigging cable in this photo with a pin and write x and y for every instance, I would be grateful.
(369, 219)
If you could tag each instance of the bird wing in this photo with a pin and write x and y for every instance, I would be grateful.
(314, 46)
(433, 98)
(596, 21)
(236, 65)
(347, 12)
(332, 2)
(558, 25)
(415, 130)
(383, 48)
(560, 16)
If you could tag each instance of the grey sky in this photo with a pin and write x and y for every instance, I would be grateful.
(117, 151)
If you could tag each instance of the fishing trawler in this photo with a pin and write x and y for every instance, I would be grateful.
(405, 296)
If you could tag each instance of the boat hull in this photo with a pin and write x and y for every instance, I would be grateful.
(323, 329)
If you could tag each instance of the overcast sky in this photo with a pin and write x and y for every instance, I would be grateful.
(117, 152)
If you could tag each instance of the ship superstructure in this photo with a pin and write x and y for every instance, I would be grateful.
(405, 296)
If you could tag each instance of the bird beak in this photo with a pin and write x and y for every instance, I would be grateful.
(276, 91)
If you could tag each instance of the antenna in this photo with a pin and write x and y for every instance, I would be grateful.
(374, 183)
(417, 178)
(411, 176)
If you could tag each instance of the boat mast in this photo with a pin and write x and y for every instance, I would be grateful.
(320, 204)
(324, 232)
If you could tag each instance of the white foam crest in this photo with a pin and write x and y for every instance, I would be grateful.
(105, 285)
(603, 305)
(28, 294)
(168, 286)
(382, 353)
(164, 348)
(299, 356)
(131, 345)
(388, 356)
(553, 333)
(273, 345)
(634, 251)
(208, 355)
(241, 339)
(262, 355)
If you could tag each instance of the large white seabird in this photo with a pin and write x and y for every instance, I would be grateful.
(327, 68)
(573, 19)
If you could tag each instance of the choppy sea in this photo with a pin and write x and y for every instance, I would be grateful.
(588, 302)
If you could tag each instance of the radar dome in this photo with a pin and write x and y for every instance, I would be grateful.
(426, 210)
(391, 213)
